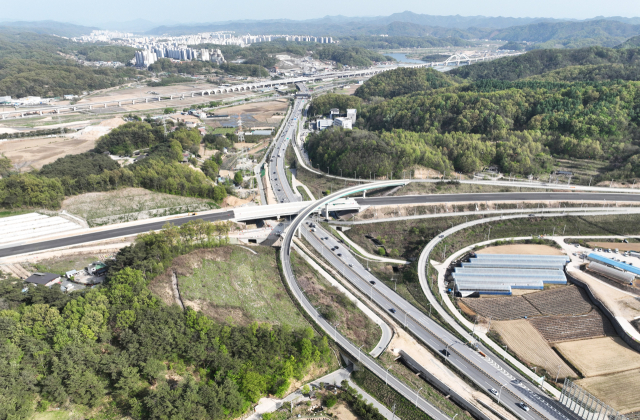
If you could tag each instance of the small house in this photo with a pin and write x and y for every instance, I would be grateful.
(44, 279)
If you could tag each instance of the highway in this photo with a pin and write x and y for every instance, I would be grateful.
(610, 198)
(101, 235)
(511, 385)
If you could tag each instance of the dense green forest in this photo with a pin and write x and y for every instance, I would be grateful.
(322, 104)
(160, 171)
(350, 56)
(401, 82)
(572, 105)
(32, 66)
(121, 350)
(539, 62)
(105, 52)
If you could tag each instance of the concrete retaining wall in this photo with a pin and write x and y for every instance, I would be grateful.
(614, 321)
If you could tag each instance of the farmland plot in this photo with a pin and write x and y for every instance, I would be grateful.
(619, 390)
(600, 356)
(530, 347)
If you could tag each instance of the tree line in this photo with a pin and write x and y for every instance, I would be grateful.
(124, 352)
(162, 170)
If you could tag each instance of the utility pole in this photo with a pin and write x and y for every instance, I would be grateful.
(417, 394)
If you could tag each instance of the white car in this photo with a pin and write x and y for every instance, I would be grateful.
(493, 391)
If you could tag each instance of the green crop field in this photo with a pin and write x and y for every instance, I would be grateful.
(241, 282)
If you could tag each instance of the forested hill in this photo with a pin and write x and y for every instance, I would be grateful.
(537, 62)
(32, 66)
(633, 42)
(403, 81)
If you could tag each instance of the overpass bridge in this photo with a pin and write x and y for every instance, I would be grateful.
(293, 208)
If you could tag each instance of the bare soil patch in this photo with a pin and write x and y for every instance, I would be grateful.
(530, 347)
(570, 300)
(613, 245)
(600, 356)
(618, 390)
(504, 308)
(522, 249)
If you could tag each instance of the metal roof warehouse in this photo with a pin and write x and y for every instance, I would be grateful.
(616, 264)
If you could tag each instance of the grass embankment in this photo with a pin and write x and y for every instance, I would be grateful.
(8, 213)
(231, 283)
(320, 184)
(303, 193)
(429, 393)
(335, 306)
(375, 386)
(409, 237)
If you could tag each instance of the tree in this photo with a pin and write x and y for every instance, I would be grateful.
(169, 110)
(306, 390)
(238, 178)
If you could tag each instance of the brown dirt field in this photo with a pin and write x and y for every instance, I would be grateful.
(231, 201)
(619, 391)
(521, 249)
(420, 172)
(530, 347)
(341, 411)
(581, 327)
(620, 245)
(600, 356)
(37, 152)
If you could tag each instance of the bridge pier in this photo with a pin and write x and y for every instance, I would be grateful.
(90, 106)
(146, 100)
(40, 112)
(159, 98)
(170, 97)
(119, 103)
(4, 116)
(105, 104)
(75, 108)
(193, 94)
(133, 102)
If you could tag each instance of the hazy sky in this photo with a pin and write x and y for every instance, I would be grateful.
(96, 11)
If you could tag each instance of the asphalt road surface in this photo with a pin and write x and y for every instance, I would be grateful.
(505, 196)
(108, 234)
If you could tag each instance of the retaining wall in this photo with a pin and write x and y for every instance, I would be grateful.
(614, 321)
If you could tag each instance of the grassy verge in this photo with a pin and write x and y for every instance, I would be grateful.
(7, 213)
(303, 192)
(375, 386)
(436, 398)
(63, 264)
(335, 306)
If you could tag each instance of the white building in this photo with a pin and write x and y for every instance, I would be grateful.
(351, 114)
(343, 123)
(322, 124)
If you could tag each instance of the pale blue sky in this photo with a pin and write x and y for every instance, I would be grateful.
(96, 11)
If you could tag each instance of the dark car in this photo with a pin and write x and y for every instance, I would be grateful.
(372, 282)
(522, 405)
(392, 310)
(339, 255)
(445, 352)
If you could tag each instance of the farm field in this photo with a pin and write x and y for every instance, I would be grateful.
(563, 300)
(613, 245)
(501, 309)
(565, 328)
(600, 356)
(232, 284)
(530, 347)
(37, 152)
(129, 204)
(521, 249)
(619, 390)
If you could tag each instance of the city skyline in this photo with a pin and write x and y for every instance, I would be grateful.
(163, 11)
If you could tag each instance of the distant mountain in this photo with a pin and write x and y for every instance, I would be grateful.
(135, 26)
(633, 42)
(48, 27)
(546, 31)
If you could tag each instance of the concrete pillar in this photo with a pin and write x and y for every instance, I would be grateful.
(21, 115)
(40, 112)
(182, 97)
(4, 116)
(146, 100)
(170, 97)
(326, 211)
(119, 103)
(75, 109)
(90, 106)
(159, 98)
(105, 104)
(133, 102)
(193, 94)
